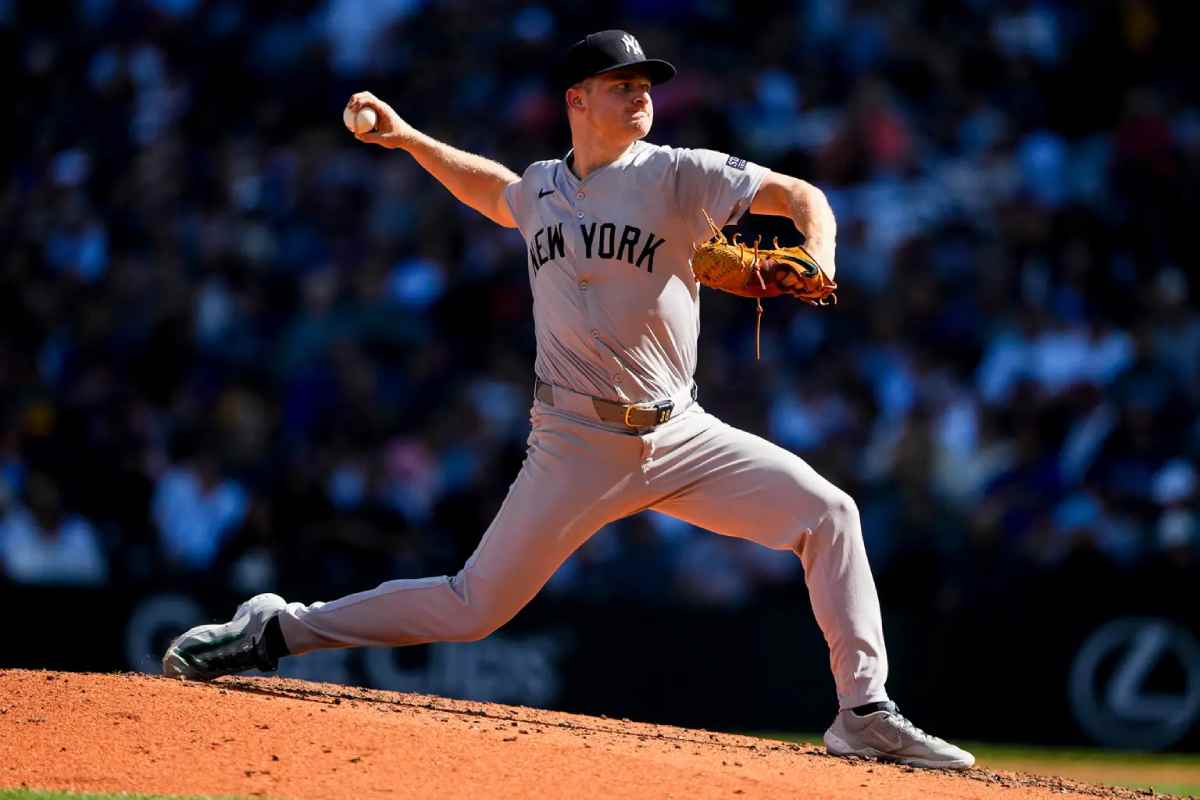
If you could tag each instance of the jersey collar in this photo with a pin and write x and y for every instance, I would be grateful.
(625, 158)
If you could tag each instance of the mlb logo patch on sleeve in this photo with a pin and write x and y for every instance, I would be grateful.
(736, 163)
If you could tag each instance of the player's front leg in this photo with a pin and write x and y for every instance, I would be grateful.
(882, 732)
(737, 484)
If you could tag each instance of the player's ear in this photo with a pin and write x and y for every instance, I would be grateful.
(575, 95)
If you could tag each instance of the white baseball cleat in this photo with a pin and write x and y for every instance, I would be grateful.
(888, 736)
(210, 651)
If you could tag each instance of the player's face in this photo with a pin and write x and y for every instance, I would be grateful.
(620, 104)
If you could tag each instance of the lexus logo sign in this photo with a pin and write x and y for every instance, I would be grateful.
(1136, 683)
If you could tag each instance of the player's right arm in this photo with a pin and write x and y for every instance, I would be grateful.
(476, 181)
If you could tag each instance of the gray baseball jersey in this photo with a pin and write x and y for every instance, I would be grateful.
(615, 306)
(616, 310)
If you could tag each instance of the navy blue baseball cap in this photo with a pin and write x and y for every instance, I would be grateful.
(606, 51)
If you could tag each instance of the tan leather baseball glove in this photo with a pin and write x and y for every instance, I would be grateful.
(751, 271)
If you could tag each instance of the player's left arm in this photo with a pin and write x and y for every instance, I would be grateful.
(808, 209)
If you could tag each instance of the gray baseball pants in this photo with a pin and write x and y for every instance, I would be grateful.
(580, 475)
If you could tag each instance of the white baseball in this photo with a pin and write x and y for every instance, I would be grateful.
(362, 122)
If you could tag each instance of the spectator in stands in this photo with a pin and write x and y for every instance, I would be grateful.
(42, 544)
(196, 510)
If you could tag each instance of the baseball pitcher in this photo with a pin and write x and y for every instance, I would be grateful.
(618, 237)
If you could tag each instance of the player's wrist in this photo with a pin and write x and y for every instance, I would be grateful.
(410, 140)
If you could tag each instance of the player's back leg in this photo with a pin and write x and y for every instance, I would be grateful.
(575, 479)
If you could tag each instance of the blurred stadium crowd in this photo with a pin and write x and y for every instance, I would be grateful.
(238, 347)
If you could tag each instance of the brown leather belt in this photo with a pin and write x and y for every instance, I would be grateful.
(637, 415)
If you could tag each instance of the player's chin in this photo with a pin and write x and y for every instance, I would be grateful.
(641, 124)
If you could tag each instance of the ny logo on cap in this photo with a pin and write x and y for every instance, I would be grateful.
(632, 47)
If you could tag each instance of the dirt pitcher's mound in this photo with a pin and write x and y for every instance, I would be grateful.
(290, 739)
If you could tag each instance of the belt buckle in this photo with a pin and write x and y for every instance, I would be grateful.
(662, 412)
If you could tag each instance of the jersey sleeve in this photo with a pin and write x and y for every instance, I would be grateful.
(514, 195)
(719, 183)
(517, 195)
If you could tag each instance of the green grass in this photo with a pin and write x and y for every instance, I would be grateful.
(38, 794)
(1167, 773)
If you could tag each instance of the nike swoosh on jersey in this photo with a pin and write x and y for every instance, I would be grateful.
(544, 192)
